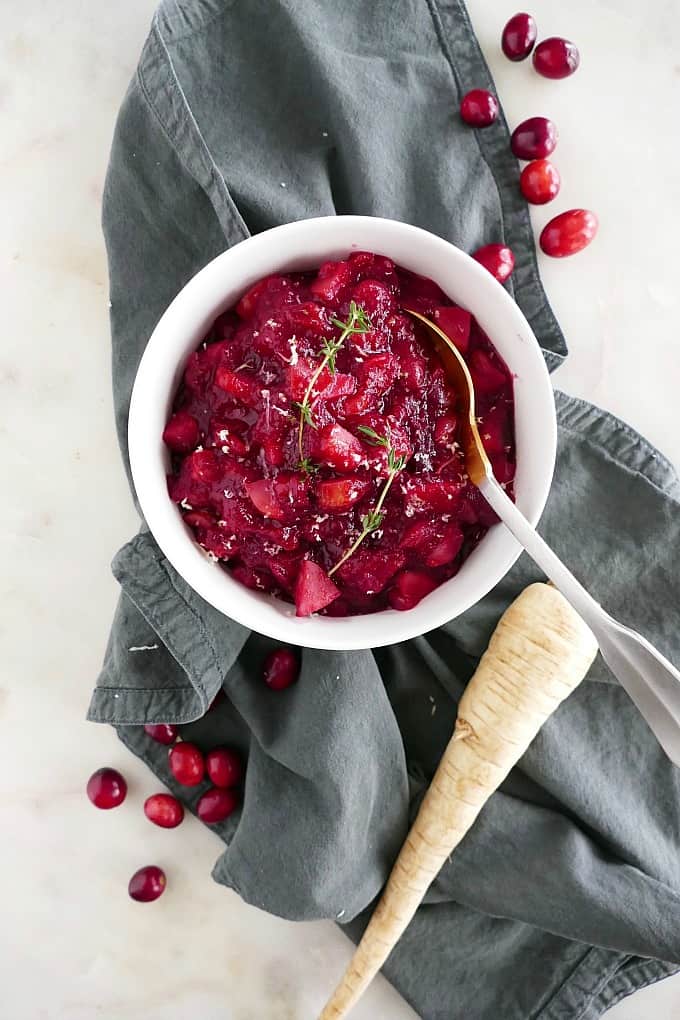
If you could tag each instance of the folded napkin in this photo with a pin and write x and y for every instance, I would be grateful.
(565, 896)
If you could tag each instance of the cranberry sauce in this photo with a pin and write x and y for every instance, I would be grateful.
(315, 414)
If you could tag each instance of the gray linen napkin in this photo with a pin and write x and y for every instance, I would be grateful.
(566, 894)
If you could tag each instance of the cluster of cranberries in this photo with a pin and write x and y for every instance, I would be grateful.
(223, 766)
(533, 140)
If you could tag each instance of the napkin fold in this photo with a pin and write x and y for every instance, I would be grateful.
(565, 896)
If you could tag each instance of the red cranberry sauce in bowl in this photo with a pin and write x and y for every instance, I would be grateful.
(314, 439)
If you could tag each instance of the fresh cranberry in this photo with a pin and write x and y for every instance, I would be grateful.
(224, 767)
(163, 733)
(568, 233)
(181, 433)
(215, 805)
(540, 181)
(479, 108)
(556, 58)
(186, 763)
(498, 259)
(106, 788)
(281, 669)
(147, 884)
(519, 36)
(164, 810)
(534, 138)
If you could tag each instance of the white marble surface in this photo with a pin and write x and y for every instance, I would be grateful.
(72, 946)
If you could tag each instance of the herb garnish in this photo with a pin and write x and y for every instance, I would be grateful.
(357, 322)
(373, 519)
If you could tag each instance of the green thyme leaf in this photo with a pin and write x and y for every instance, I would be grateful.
(357, 322)
(329, 351)
(372, 521)
(373, 437)
(306, 414)
(394, 463)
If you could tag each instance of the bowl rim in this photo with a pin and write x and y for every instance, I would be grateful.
(327, 633)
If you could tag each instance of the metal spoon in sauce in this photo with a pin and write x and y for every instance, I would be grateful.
(650, 680)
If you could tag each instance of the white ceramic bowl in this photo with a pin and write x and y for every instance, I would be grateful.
(305, 245)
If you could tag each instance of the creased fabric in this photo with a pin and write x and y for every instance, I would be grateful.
(565, 896)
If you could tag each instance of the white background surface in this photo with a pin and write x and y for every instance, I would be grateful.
(72, 946)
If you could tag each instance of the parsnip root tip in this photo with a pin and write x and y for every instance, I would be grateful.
(538, 654)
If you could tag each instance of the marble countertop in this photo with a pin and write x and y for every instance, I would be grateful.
(72, 946)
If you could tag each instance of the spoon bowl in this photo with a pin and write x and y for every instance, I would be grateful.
(477, 464)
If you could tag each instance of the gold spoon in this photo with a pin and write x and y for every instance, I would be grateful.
(477, 464)
(650, 680)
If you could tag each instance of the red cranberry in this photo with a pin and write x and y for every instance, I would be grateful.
(519, 36)
(181, 433)
(224, 767)
(498, 259)
(281, 668)
(163, 733)
(186, 764)
(534, 138)
(410, 586)
(106, 788)
(215, 805)
(479, 108)
(147, 884)
(163, 809)
(540, 181)
(556, 58)
(568, 233)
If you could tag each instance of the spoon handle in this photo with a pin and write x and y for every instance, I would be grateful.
(650, 680)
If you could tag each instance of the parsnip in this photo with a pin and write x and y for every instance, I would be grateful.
(539, 652)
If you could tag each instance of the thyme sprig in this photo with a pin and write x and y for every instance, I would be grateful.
(371, 521)
(357, 322)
